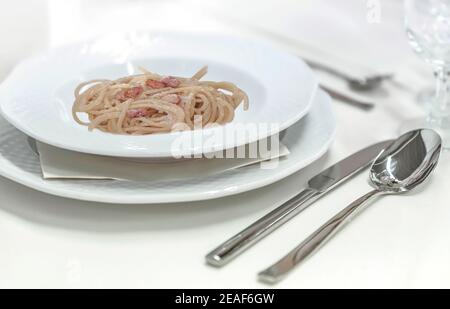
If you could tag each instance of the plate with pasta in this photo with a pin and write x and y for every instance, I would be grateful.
(157, 95)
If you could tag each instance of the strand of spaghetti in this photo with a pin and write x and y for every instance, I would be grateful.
(101, 119)
(200, 73)
(122, 115)
(189, 110)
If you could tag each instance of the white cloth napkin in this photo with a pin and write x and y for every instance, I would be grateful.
(322, 32)
(57, 163)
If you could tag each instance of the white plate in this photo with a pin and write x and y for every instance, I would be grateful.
(307, 140)
(38, 95)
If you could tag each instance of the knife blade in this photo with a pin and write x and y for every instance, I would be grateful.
(317, 186)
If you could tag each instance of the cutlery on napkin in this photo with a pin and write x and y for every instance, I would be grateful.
(57, 163)
(310, 51)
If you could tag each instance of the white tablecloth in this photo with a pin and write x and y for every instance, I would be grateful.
(400, 241)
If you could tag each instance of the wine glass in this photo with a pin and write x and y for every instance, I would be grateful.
(427, 25)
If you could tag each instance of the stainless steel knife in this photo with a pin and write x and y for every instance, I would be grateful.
(317, 187)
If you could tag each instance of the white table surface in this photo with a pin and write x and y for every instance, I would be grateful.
(399, 242)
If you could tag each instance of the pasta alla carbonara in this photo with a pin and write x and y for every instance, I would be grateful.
(148, 103)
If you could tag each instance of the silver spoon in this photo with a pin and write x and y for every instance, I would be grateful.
(403, 165)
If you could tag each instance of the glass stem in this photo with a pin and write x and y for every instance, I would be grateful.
(440, 109)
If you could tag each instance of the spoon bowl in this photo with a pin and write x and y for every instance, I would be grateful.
(407, 162)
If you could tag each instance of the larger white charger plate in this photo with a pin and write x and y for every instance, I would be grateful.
(38, 95)
(307, 140)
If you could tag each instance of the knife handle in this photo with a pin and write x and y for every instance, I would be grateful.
(264, 226)
(316, 240)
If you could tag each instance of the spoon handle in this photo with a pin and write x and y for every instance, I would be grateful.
(311, 244)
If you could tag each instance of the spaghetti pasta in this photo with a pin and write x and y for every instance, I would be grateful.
(148, 103)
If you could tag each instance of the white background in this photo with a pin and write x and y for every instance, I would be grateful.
(399, 242)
